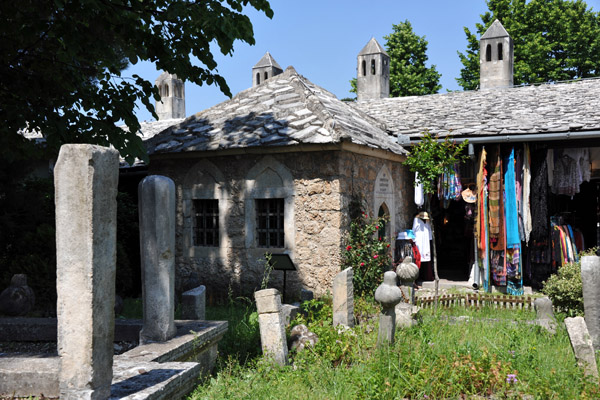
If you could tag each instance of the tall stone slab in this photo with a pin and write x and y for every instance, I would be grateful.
(582, 345)
(590, 276)
(343, 299)
(85, 179)
(270, 320)
(193, 303)
(156, 196)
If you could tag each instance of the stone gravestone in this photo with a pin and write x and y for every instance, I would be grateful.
(85, 179)
(581, 342)
(590, 276)
(157, 241)
(388, 294)
(193, 303)
(343, 299)
(270, 320)
(17, 299)
(545, 314)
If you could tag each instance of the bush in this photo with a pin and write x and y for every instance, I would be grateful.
(565, 288)
(368, 253)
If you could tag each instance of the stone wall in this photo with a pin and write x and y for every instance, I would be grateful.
(316, 187)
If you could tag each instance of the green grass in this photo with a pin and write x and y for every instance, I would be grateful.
(436, 360)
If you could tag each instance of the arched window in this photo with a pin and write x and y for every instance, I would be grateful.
(382, 231)
(258, 78)
(266, 76)
(372, 67)
(364, 68)
(500, 51)
(488, 52)
(166, 90)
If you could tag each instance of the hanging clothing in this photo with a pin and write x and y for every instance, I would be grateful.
(550, 166)
(422, 231)
(539, 195)
(526, 193)
(571, 169)
(510, 207)
(419, 196)
(481, 217)
(496, 205)
(449, 186)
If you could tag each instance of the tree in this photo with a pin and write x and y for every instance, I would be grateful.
(554, 40)
(409, 75)
(62, 61)
(430, 158)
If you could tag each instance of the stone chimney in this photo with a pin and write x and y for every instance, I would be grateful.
(264, 69)
(495, 58)
(373, 72)
(172, 97)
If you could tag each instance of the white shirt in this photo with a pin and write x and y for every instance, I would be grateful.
(422, 231)
(419, 197)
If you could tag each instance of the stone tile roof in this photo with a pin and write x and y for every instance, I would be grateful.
(267, 61)
(495, 30)
(372, 47)
(548, 108)
(285, 110)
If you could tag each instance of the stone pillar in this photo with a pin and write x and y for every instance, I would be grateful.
(157, 245)
(270, 320)
(545, 314)
(582, 345)
(85, 179)
(590, 276)
(343, 299)
(388, 294)
(193, 303)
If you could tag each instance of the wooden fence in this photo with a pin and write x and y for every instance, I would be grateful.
(478, 300)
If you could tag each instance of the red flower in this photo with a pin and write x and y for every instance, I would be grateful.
(375, 256)
(362, 264)
(349, 247)
(376, 226)
(388, 245)
(380, 239)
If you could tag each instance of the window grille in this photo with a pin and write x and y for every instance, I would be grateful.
(207, 223)
(269, 223)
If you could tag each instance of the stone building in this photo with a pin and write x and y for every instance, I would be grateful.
(274, 170)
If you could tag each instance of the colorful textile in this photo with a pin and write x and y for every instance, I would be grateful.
(527, 226)
(480, 218)
(495, 198)
(510, 206)
(449, 186)
(498, 268)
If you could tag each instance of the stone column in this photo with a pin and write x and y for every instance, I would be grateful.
(388, 294)
(590, 276)
(545, 314)
(582, 345)
(157, 245)
(270, 320)
(193, 303)
(343, 299)
(85, 179)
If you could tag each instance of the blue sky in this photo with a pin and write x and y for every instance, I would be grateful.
(321, 39)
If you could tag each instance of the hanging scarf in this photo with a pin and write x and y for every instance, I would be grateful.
(539, 198)
(496, 205)
(510, 206)
(526, 192)
(480, 216)
(449, 186)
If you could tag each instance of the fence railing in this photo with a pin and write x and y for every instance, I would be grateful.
(478, 301)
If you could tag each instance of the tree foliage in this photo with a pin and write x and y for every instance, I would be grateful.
(431, 158)
(62, 62)
(554, 40)
(409, 74)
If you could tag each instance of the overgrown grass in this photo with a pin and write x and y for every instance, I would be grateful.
(438, 359)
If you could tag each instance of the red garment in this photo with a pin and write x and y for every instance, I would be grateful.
(416, 254)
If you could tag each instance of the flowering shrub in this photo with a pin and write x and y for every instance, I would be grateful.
(368, 255)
